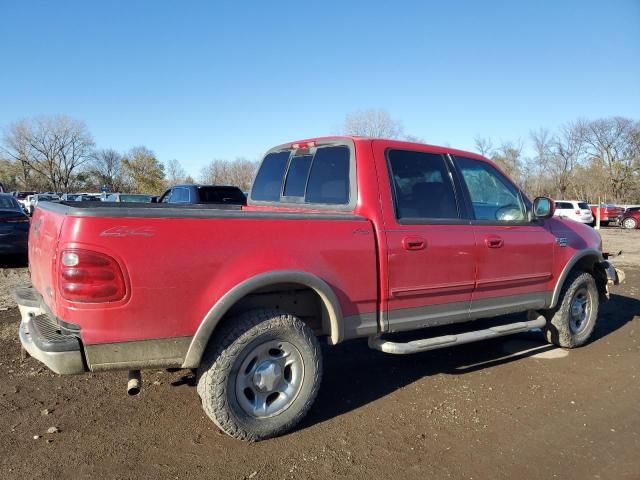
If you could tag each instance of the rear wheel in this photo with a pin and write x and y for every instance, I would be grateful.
(629, 223)
(571, 324)
(261, 374)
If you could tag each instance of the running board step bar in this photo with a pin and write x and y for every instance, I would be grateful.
(415, 346)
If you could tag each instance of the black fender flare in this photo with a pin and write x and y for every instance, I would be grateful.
(582, 254)
(216, 313)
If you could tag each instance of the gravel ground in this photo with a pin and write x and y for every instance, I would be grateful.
(510, 408)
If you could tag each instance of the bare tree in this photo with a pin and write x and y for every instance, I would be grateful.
(53, 147)
(176, 174)
(509, 157)
(239, 172)
(484, 146)
(106, 169)
(612, 143)
(375, 123)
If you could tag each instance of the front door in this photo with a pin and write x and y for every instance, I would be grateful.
(429, 244)
(514, 254)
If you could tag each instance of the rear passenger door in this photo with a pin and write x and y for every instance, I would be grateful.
(514, 254)
(429, 242)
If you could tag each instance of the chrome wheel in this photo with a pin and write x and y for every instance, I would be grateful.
(580, 310)
(269, 379)
(629, 223)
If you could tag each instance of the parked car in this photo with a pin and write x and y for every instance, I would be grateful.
(608, 213)
(79, 197)
(127, 197)
(630, 219)
(204, 194)
(14, 226)
(34, 200)
(574, 210)
(21, 197)
(342, 238)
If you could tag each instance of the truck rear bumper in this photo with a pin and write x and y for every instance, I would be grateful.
(43, 339)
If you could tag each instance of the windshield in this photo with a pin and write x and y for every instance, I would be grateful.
(23, 195)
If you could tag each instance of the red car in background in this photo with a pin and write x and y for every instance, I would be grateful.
(608, 213)
(630, 218)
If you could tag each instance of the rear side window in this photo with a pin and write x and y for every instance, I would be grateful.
(226, 195)
(564, 206)
(320, 177)
(422, 186)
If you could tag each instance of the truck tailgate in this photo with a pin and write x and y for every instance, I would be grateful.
(43, 242)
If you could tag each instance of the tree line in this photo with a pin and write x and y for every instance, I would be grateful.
(584, 159)
(58, 153)
(592, 160)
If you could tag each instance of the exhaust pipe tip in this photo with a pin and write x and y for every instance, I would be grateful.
(134, 385)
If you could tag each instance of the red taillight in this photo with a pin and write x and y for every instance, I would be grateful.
(578, 212)
(90, 277)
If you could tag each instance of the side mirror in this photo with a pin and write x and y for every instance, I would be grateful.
(543, 207)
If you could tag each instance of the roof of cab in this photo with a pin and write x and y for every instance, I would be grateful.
(390, 141)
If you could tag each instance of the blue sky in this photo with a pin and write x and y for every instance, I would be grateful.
(203, 80)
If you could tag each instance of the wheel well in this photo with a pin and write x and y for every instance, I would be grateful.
(591, 264)
(299, 300)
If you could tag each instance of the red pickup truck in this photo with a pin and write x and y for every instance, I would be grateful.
(342, 238)
(608, 214)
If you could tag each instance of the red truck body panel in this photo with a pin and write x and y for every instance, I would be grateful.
(184, 266)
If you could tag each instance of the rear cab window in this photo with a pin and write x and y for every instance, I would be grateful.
(314, 175)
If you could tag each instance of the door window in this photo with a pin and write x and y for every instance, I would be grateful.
(493, 197)
(421, 185)
(179, 195)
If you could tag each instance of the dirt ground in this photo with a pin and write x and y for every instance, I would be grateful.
(510, 408)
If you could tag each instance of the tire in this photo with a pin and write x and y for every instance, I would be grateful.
(629, 223)
(260, 375)
(605, 223)
(569, 325)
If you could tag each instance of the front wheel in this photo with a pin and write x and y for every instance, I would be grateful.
(260, 375)
(571, 324)
(629, 223)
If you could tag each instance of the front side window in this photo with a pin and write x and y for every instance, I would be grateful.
(422, 186)
(179, 195)
(493, 197)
